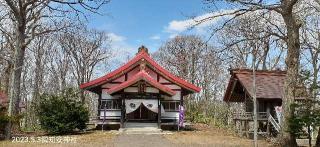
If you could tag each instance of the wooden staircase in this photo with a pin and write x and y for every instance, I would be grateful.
(274, 123)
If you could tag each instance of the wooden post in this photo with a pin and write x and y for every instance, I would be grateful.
(99, 104)
(246, 128)
(240, 129)
(181, 98)
(258, 108)
(123, 113)
(235, 125)
(104, 115)
(268, 114)
(159, 113)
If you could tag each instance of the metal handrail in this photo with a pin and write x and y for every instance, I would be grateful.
(274, 123)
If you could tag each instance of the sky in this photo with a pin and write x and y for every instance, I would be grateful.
(132, 23)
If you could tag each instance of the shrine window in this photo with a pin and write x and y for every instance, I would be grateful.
(110, 104)
(171, 105)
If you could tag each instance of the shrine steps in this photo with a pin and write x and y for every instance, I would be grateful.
(140, 128)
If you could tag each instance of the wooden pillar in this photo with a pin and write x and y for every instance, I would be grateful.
(123, 112)
(240, 129)
(246, 128)
(159, 113)
(257, 114)
(99, 92)
(268, 109)
(181, 98)
(258, 107)
(268, 114)
(104, 115)
(235, 125)
(99, 103)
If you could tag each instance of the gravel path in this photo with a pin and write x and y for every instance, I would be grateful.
(154, 140)
(141, 140)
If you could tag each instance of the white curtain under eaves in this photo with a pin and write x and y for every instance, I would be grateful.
(133, 104)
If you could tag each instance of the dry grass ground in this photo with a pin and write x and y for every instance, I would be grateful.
(207, 136)
(201, 136)
(88, 139)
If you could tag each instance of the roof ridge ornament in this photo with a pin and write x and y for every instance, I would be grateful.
(142, 64)
(143, 49)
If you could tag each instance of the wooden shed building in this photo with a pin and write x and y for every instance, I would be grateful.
(269, 93)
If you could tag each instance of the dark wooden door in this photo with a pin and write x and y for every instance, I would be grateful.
(142, 113)
(136, 113)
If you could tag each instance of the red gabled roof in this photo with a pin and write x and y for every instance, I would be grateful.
(141, 55)
(105, 78)
(142, 75)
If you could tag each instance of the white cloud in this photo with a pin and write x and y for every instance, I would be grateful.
(178, 26)
(116, 38)
(155, 37)
(121, 50)
(173, 35)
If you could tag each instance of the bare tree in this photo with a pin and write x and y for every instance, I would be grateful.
(181, 56)
(59, 63)
(86, 49)
(286, 9)
(311, 46)
(316, 54)
(194, 59)
(247, 34)
(26, 17)
(6, 51)
(39, 49)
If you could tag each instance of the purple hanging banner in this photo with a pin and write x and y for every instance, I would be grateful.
(181, 115)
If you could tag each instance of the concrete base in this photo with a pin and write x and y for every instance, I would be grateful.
(140, 128)
(140, 125)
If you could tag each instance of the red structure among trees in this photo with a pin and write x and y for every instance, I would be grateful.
(140, 91)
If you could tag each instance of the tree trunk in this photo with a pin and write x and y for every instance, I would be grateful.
(82, 95)
(7, 77)
(292, 62)
(37, 82)
(318, 138)
(265, 54)
(309, 136)
(16, 77)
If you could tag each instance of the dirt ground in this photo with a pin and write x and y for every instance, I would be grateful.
(208, 136)
(202, 136)
(88, 139)
(142, 140)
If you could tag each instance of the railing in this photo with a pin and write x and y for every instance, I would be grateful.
(274, 123)
(249, 115)
(94, 120)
